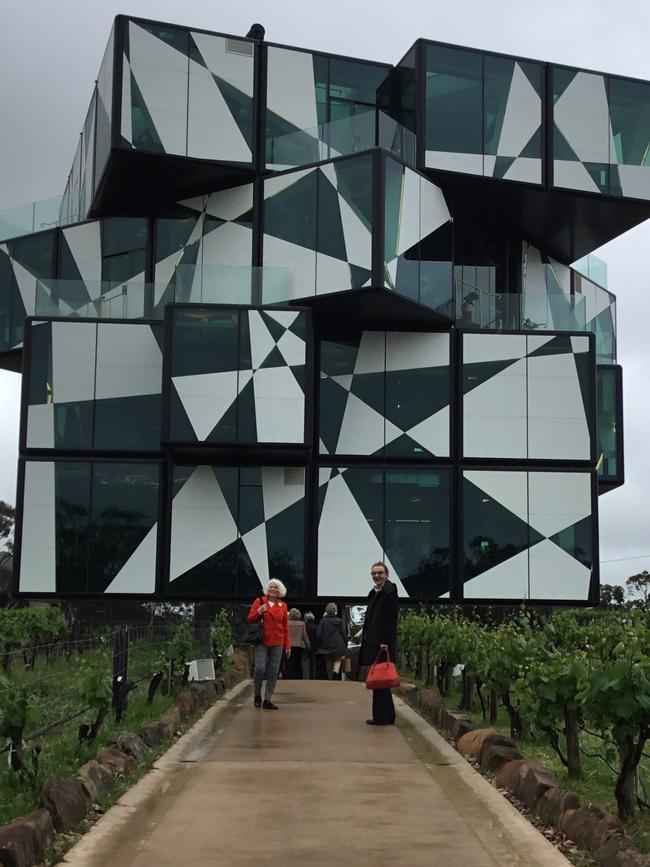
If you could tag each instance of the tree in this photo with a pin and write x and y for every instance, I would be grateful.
(7, 518)
(638, 588)
(611, 595)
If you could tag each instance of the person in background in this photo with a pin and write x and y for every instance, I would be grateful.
(298, 662)
(276, 638)
(312, 631)
(380, 633)
(331, 640)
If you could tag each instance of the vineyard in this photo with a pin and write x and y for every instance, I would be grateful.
(577, 682)
(63, 695)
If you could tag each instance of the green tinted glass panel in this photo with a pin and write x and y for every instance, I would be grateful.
(629, 107)
(72, 516)
(454, 100)
(608, 397)
(355, 82)
(417, 530)
(504, 75)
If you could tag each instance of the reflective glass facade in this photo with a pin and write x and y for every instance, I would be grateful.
(299, 312)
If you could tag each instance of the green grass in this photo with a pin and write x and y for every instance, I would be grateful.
(597, 784)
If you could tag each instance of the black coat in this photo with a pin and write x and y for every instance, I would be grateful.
(380, 625)
(330, 637)
(312, 633)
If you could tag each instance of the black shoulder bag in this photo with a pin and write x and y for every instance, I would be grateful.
(254, 632)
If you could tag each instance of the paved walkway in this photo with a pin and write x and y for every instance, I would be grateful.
(311, 785)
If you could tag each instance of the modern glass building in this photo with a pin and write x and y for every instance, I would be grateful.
(297, 312)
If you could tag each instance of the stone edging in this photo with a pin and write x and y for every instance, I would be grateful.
(592, 827)
(66, 801)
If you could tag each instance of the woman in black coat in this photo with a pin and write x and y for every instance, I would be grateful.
(380, 633)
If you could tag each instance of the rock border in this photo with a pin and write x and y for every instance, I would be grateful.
(591, 828)
(66, 801)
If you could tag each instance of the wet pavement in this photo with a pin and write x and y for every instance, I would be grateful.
(311, 784)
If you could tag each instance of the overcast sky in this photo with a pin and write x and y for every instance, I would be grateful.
(50, 52)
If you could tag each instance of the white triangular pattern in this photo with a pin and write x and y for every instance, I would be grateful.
(85, 246)
(277, 494)
(344, 380)
(332, 275)
(574, 176)
(555, 574)
(323, 450)
(165, 270)
(582, 116)
(277, 183)
(256, 545)
(26, 286)
(262, 341)
(434, 212)
(201, 522)
(329, 172)
(579, 344)
(493, 347)
(285, 318)
(412, 350)
(161, 76)
(371, 357)
(391, 432)
(346, 545)
(558, 500)
(507, 580)
(127, 128)
(362, 429)
(138, 575)
(324, 475)
(206, 397)
(433, 433)
(291, 88)
(292, 348)
(236, 69)
(358, 239)
(525, 169)
(409, 212)
(212, 132)
(230, 204)
(279, 406)
(523, 115)
(509, 489)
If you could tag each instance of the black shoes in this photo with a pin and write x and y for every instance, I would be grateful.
(371, 722)
(268, 705)
(257, 701)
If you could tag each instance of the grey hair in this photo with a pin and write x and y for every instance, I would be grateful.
(309, 616)
(282, 590)
(331, 608)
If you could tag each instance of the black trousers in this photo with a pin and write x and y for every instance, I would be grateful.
(383, 709)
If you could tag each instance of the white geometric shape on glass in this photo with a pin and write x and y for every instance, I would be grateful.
(332, 275)
(346, 545)
(138, 575)
(324, 475)
(362, 429)
(85, 245)
(371, 357)
(38, 543)
(434, 212)
(433, 433)
(555, 574)
(73, 361)
(635, 181)
(277, 492)
(409, 212)
(534, 276)
(298, 264)
(508, 488)
(261, 340)
(212, 132)
(285, 318)
(523, 115)
(290, 88)
(230, 204)
(234, 68)
(277, 183)
(535, 342)
(329, 172)
(292, 348)
(201, 522)
(127, 125)
(450, 161)
(256, 546)
(414, 350)
(206, 397)
(358, 239)
(494, 415)
(558, 438)
(129, 361)
(525, 169)
(581, 114)
(506, 580)
(40, 426)
(228, 245)
(344, 380)
(558, 500)
(573, 175)
(279, 406)
(579, 344)
(161, 75)
(493, 347)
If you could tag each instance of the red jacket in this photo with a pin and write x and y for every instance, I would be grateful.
(276, 622)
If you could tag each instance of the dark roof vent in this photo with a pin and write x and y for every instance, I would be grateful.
(256, 32)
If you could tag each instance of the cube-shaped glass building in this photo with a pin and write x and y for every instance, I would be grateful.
(295, 313)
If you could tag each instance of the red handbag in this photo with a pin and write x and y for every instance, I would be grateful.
(382, 675)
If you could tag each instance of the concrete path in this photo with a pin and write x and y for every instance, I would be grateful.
(311, 785)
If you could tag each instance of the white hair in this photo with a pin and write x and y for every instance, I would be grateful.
(282, 590)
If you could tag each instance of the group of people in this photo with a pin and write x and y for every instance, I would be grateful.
(284, 633)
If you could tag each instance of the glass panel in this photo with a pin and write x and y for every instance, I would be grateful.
(72, 484)
(124, 508)
(608, 402)
(454, 107)
(417, 530)
(629, 106)
(104, 112)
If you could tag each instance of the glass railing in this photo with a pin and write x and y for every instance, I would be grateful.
(35, 217)
(592, 268)
(348, 135)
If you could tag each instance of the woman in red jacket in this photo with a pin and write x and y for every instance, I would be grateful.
(268, 653)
